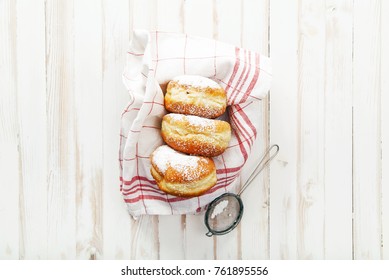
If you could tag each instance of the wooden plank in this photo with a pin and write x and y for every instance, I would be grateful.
(10, 157)
(116, 220)
(255, 224)
(171, 228)
(366, 130)
(310, 131)
(170, 18)
(338, 130)
(228, 28)
(61, 140)
(144, 14)
(385, 127)
(31, 73)
(229, 22)
(200, 18)
(197, 245)
(144, 231)
(88, 126)
(283, 109)
(255, 25)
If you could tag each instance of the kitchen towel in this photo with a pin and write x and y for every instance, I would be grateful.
(154, 58)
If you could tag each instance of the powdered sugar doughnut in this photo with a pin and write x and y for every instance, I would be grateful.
(195, 95)
(195, 135)
(180, 174)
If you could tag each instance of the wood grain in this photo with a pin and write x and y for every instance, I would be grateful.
(144, 231)
(31, 96)
(367, 184)
(254, 243)
(10, 156)
(325, 196)
(283, 129)
(116, 221)
(310, 130)
(228, 28)
(172, 229)
(197, 245)
(61, 131)
(338, 131)
(385, 127)
(88, 126)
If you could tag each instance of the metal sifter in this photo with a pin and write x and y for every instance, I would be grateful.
(225, 212)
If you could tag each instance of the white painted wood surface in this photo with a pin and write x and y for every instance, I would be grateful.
(325, 196)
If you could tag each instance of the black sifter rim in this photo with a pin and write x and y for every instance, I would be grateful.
(236, 222)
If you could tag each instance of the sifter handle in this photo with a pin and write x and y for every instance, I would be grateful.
(261, 165)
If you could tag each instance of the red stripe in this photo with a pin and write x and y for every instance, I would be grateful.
(241, 80)
(225, 168)
(192, 58)
(132, 109)
(127, 183)
(235, 91)
(128, 106)
(254, 97)
(153, 102)
(156, 91)
(249, 134)
(149, 126)
(254, 79)
(244, 141)
(137, 173)
(136, 157)
(144, 126)
(146, 186)
(136, 54)
(242, 130)
(121, 132)
(143, 198)
(241, 146)
(135, 190)
(248, 122)
(216, 188)
(240, 107)
(223, 82)
(120, 155)
(229, 170)
(234, 71)
(154, 197)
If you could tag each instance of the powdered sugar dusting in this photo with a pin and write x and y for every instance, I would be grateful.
(200, 122)
(219, 208)
(165, 157)
(176, 117)
(196, 81)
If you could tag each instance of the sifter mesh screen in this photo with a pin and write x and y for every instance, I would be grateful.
(224, 213)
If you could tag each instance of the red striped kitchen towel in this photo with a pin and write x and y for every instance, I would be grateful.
(154, 58)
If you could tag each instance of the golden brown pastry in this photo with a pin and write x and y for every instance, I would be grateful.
(195, 135)
(180, 174)
(195, 95)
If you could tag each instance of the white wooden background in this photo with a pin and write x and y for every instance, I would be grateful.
(326, 196)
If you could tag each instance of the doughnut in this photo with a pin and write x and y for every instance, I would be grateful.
(195, 135)
(195, 95)
(180, 174)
